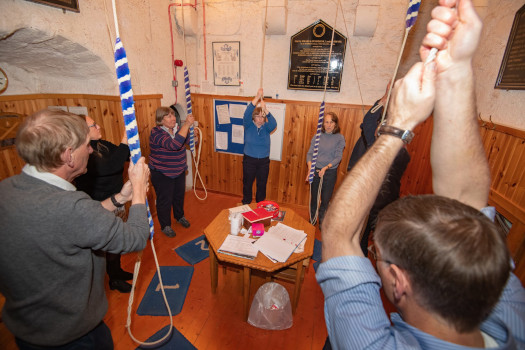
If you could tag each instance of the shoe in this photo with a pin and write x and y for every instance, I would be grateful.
(168, 231)
(120, 285)
(124, 275)
(185, 223)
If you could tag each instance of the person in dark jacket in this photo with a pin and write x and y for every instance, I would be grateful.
(391, 186)
(104, 178)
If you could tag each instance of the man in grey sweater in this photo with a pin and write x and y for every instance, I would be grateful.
(53, 238)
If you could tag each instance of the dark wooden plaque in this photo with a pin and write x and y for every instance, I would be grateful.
(309, 53)
(512, 71)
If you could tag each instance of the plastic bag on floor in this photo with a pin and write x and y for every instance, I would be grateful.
(271, 308)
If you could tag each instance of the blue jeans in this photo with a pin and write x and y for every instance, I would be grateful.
(97, 339)
(329, 180)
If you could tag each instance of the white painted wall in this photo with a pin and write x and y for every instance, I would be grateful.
(144, 29)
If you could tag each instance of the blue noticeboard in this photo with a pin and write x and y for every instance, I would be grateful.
(224, 131)
(229, 130)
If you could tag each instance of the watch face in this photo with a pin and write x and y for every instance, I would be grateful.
(3, 81)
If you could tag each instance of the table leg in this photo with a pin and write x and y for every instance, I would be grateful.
(214, 271)
(246, 296)
(297, 289)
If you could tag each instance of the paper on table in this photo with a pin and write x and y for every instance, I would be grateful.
(240, 209)
(280, 242)
(239, 246)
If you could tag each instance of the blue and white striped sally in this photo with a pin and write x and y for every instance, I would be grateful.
(128, 110)
(189, 108)
(316, 143)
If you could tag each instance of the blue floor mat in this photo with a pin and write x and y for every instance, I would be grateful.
(317, 250)
(316, 265)
(175, 341)
(176, 280)
(194, 251)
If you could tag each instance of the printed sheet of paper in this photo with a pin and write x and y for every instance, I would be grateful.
(223, 114)
(237, 133)
(280, 242)
(237, 110)
(221, 140)
(239, 246)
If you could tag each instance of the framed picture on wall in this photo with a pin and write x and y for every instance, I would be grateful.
(226, 63)
(71, 5)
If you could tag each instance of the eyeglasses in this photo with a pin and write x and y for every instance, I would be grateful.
(94, 125)
(375, 255)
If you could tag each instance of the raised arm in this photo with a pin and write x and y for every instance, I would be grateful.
(411, 103)
(459, 165)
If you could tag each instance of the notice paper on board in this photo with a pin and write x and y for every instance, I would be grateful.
(223, 114)
(237, 110)
(237, 133)
(221, 140)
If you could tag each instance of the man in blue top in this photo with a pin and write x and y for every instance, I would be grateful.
(443, 264)
(258, 123)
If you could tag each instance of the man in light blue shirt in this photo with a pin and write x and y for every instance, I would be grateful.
(441, 262)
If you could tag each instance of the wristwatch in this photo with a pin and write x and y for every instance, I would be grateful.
(405, 135)
(115, 203)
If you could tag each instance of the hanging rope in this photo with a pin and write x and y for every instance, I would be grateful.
(410, 20)
(320, 121)
(189, 110)
(263, 43)
(130, 122)
(340, 6)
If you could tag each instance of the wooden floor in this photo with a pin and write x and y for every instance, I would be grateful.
(209, 321)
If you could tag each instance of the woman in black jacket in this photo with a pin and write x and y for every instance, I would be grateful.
(102, 180)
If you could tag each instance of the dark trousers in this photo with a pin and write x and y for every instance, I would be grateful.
(113, 266)
(99, 338)
(113, 260)
(329, 180)
(254, 168)
(170, 194)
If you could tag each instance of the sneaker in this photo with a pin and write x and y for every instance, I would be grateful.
(185, 223)
(168, 231)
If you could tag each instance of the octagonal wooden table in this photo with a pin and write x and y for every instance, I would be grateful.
(219, 228)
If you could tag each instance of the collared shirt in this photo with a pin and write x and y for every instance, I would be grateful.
(355, 317)
(51, 179)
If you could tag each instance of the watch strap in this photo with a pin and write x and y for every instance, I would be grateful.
(115, 203)
(405, 135)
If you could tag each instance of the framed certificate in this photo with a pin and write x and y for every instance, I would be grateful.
(226, 63)
(71, 5)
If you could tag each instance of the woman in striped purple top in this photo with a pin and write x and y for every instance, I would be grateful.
(168, 165)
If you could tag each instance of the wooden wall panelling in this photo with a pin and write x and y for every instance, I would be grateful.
(418, 175)
(223, 172)
(105, 110)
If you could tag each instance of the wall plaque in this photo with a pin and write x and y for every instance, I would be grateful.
(512, 71)
(309, 52)
(226, 63)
